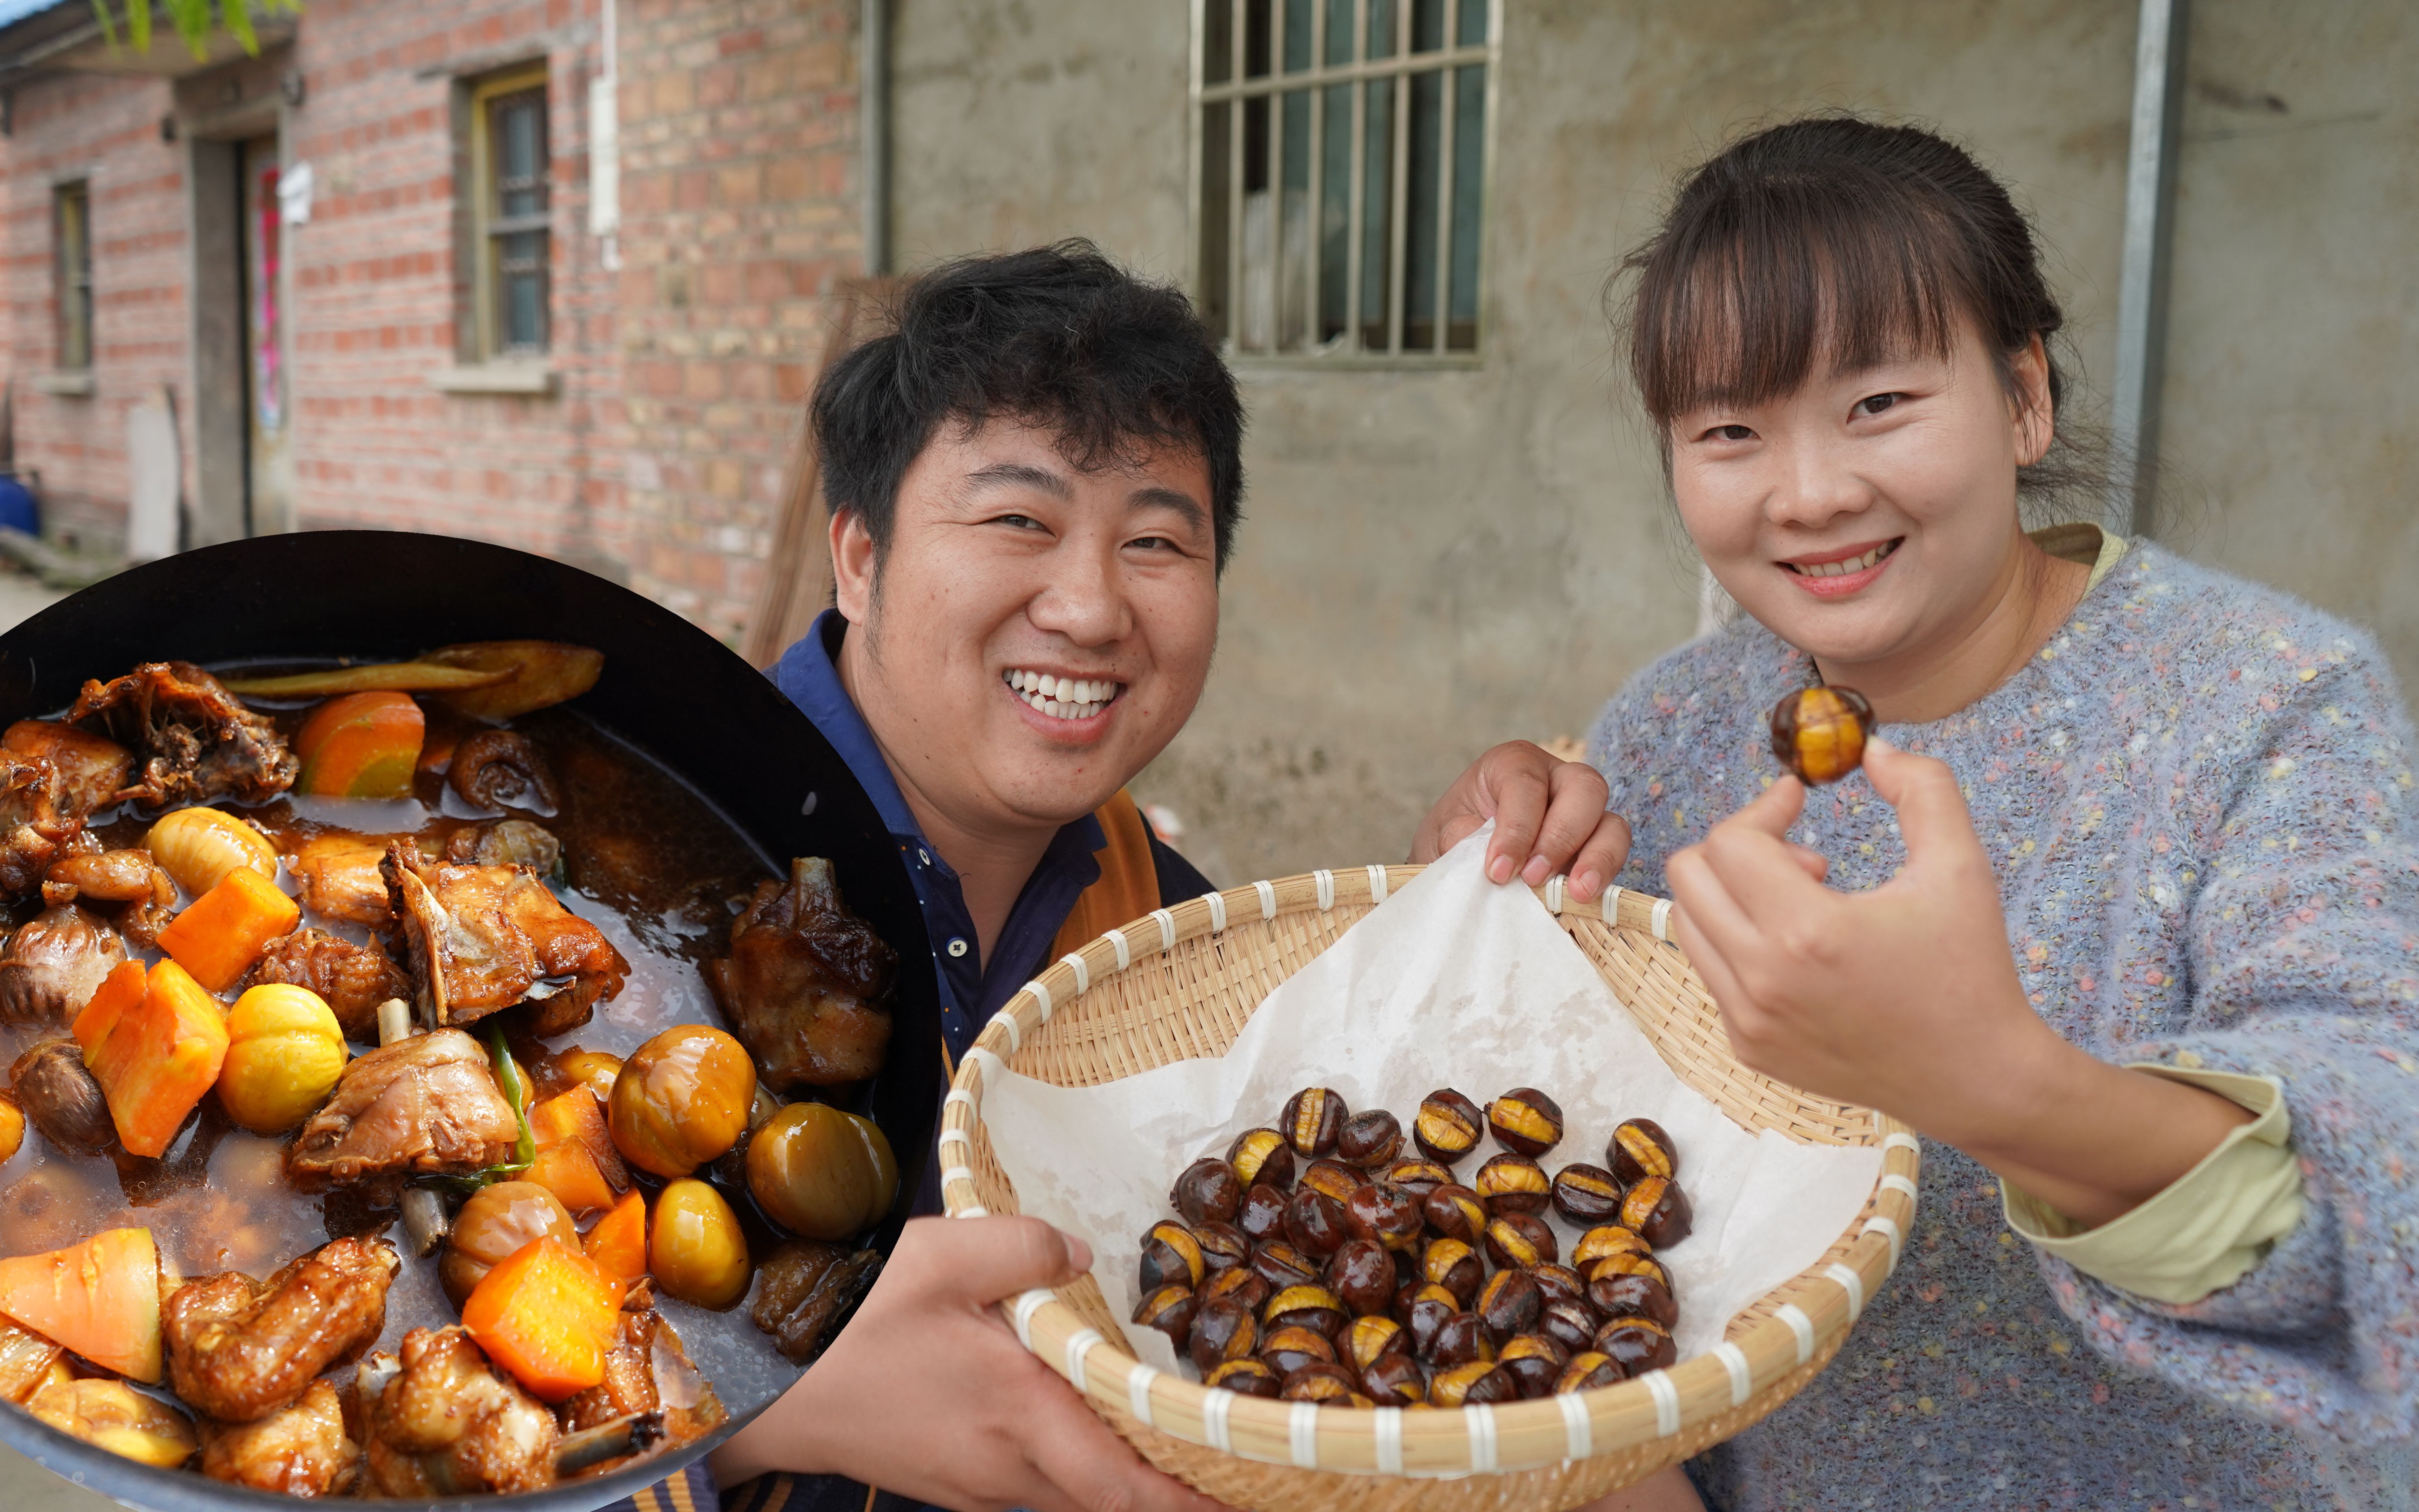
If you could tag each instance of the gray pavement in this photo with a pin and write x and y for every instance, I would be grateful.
(24, 1485)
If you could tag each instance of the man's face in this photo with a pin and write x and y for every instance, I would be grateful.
(1035, 632)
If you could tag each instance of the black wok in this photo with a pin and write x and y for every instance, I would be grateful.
(668, 688)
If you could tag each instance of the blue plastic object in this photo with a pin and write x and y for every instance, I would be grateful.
(18, 511)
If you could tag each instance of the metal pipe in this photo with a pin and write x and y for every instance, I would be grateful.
(2142, 280)
(873, 126)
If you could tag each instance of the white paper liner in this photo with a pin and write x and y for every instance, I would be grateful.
(1451, 983)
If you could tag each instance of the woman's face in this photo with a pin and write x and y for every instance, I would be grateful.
(1871, 514)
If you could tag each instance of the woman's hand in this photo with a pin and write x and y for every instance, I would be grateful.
(1550, 817)
(926, 1393)
(1906, 998)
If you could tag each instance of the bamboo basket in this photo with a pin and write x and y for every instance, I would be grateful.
(1180, 983)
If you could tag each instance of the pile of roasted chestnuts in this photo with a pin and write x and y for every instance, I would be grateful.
(1321, 1260)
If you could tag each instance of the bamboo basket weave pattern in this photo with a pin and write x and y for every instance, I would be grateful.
(1181, 983)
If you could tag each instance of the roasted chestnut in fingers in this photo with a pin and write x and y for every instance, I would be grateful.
(694, 1247)
(1570, 1324)
(1308, 1306)
(1419, 1177)
(1508, 1305)
(1588, 1370)
(1639, 1149)
(682, 1099)
(1261, 1155)
(1314, 1223)
(1289, 1349)
(1634, 1295)
(1394, 1381)
(1335, 1178)
(1280, 1265)
(1209, 1191)
(821, 1173)
(1587, 1195)
(1818, 734)
(1521, 1240)
(1455, 1213)
(1325, 1382)
(497, 1220)
(1363, 1274)
(1222, 1330)
(1603, 1239)
(1171, 1256)
(1513, 1183)
(1657, 1210)
(1637, 1345)
(1455, 1266)
(1313, 1119)
(1525, 1121)
(1223, 1246)
(1170, 1310)
(1250, 1376)
(1472, 1383)
(1369, 1138)
(1447, 1126)
(1371, 1339)
(1262, 1215)
(1559, 1283)
(1387, 1214)
(1242, 1283)
(1534, 1362)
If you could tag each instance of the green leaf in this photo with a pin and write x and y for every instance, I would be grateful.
(108, 23)
(508, 1077)
(238, 25)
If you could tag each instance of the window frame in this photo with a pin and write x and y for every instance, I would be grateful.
(488, 227)
(1402, 66)
(71, 287)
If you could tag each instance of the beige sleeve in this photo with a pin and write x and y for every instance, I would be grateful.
(2206, 1228)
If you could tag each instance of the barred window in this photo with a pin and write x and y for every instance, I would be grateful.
(1342, 175)
(511, 213)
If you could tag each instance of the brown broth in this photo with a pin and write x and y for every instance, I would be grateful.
(647, 860)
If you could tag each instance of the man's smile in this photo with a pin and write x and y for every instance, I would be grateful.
(1062, 697)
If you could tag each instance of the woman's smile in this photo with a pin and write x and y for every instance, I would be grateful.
(1838, 574)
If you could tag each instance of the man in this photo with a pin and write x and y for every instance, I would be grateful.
(1034, 484)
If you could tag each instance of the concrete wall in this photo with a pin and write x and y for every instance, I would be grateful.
(1435, 561)
(2290, 440)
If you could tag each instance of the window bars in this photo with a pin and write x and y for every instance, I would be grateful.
(1340, 181)
(517, 216)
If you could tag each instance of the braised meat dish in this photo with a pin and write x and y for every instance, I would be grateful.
(802, 982)
(370, 1126)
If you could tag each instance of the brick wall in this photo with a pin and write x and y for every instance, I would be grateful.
(374, 296)
(679, 380)
(739, 215)
(107, 131)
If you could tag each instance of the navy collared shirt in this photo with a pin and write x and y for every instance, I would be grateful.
(972, 988)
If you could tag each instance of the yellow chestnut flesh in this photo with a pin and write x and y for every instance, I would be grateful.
(695, 1248)
(497, 1221)
(591, 1068)
(821, 1173)
(682, 1099)
(285, 1053)
(13, 1126)
(1819, 733)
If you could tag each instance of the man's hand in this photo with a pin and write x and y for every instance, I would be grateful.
(1550, 817)
(927, 1393)
(1906, 998)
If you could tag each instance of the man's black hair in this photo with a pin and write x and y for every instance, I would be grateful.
(1059, 337)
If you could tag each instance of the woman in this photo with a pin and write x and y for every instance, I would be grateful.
(2122, 912)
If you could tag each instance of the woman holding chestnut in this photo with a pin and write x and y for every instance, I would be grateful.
(2122, 912)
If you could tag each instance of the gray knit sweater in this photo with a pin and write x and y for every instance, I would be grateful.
(2199, 800)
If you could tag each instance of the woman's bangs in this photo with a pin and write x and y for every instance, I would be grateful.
(1777, 289)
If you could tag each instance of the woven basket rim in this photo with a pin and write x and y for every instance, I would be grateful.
(1806, 1317)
